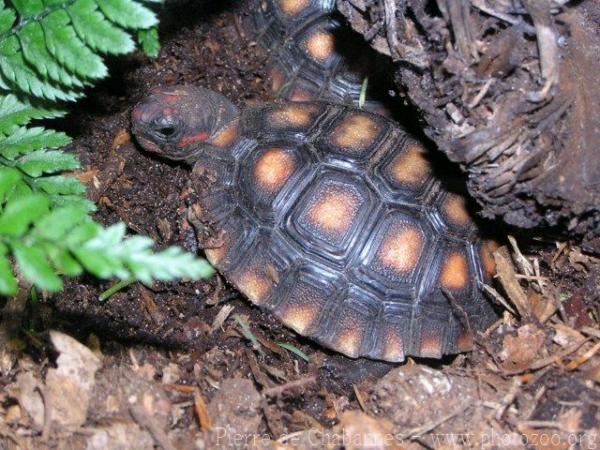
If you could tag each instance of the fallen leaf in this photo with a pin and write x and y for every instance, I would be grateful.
(123, 137)
(68, 387)
(29, 397)
(518, 352)
(363, 432)
(119, 436)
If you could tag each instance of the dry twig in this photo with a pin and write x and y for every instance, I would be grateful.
(148, 422)
(276, 391)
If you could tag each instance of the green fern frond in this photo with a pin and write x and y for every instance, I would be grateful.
(26, 140)
(148, 39)
(15, 112)
(96, 31)
(128, 14)
(58, 185)
(51, 50)
(18, 76)
(42, 162)
(47, 242)
(75, 56)
(110, 254)
(35, 51)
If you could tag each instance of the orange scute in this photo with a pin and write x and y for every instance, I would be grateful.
(301, 95)
(349, 342)
(300, 318)
(356, 132)
(455, 209)
(393, 349)
(455, 272)
(293, 7)
(292, 115)
(411, 167)
(273, 169)
(335, 210)
(277, 79)
(401, 249)
(465, 341)
(431, 347)
(254, 286)
(320, 45)
(227, 136)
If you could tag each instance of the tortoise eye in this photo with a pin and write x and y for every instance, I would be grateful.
(166, 131)
(166, 128)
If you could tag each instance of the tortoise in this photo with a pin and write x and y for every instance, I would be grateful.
(313, 54)
(329, 217)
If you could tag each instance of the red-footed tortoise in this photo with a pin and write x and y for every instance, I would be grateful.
(329, 217)
(314, 55)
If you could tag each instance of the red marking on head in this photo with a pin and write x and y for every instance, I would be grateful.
(186, 141)
(146, 112)
(137, 113)
(171, 98)
(168, 112)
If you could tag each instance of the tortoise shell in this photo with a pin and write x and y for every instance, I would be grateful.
(314, 55)
(330, 217)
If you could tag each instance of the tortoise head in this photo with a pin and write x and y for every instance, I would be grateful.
(181, 122)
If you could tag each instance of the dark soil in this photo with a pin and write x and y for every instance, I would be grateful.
(169, 378)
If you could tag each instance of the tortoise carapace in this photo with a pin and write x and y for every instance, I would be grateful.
(329, 217)
(313, 54)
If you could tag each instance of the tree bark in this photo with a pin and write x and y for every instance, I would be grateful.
(511, 91)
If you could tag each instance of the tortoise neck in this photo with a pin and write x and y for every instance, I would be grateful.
(224, 116)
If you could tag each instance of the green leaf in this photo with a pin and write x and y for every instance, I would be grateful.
(26, 140)
(21, 212)
(295, 350)
(168, 265)
(28, 8)
(63, 200)
(8, 283)
(33, 44)
(62, 259)
(134, 256)
(21, 189)
(15, 71)
(36, 163)
(149, 40)
(34, 265)
(15, 112)
(96, 31)
(7, 19)
(55, 3)
(82, 233)
(8, 179)
(50, 54)
(107, 238)
(100, 264)
(59, 221)
(135, 244)
(62, 41)
(128, 13)
(60, 185)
